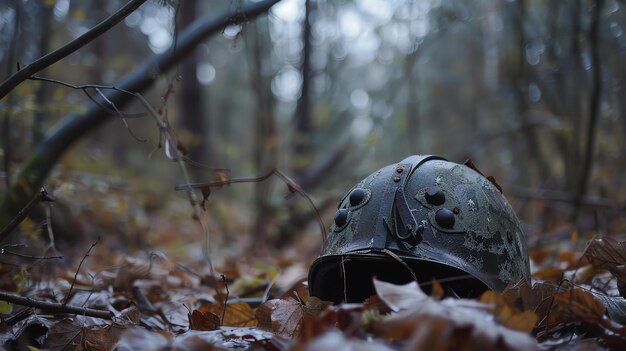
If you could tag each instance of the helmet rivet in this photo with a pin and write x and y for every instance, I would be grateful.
(456, 210)
(445, 218)
(399, 169)
(357, 196)
(435, 196)
(341, 217)
(396, 179)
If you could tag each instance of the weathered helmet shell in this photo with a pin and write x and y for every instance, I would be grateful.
(438, 218)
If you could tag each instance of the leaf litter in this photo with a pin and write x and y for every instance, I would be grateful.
(575, 303)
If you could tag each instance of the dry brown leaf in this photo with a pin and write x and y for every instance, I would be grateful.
(282, 316)
(102, 338)
(238, 314)
(68, 334)
(507, 314)
(578, 305)
(199, 320)
(63, 333)
(606, 253)
(443, 325)
(130, 271)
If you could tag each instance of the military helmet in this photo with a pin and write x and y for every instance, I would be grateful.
(421, 219)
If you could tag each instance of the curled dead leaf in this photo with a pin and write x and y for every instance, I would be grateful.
(399, 297)
(606, 253)
(579, 305)
(449, 324)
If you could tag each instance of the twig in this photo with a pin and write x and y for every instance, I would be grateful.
(69, 293)
(401, 261)
(4, 251)
(69, 48)
(291, 185)
(50, 232)
(225, 299)
(266, 293)
(23, 213)
(54, 307)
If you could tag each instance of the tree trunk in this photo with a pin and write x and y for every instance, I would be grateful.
(192, 95)
(303, 143)
(266, 137)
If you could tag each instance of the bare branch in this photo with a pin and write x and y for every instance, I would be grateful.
(21, 215)
(293, 188)
(53, 307)
(57, 55)
(85, 88)
(5, 251)
(73, 127)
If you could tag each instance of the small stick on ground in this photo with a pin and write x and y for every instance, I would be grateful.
(69, 293)
(54, 307)
(225, 299)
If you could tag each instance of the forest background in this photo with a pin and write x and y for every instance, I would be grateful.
(323, 92)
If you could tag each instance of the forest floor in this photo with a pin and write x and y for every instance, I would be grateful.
(145, 284)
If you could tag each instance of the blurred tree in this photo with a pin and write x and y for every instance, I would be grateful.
(192, 97)
(44, 90)
(303, 152)
(266, 137)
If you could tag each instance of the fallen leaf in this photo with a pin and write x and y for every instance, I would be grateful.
(578, 305)
(606, 253)
(63, 335)
(433, 325)
(130, 271)
(199, 320)
(31, 331)
(399, 297)
(238, 314)
(103, 338)
(282, 316)
(615, 307)
(507, 314)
